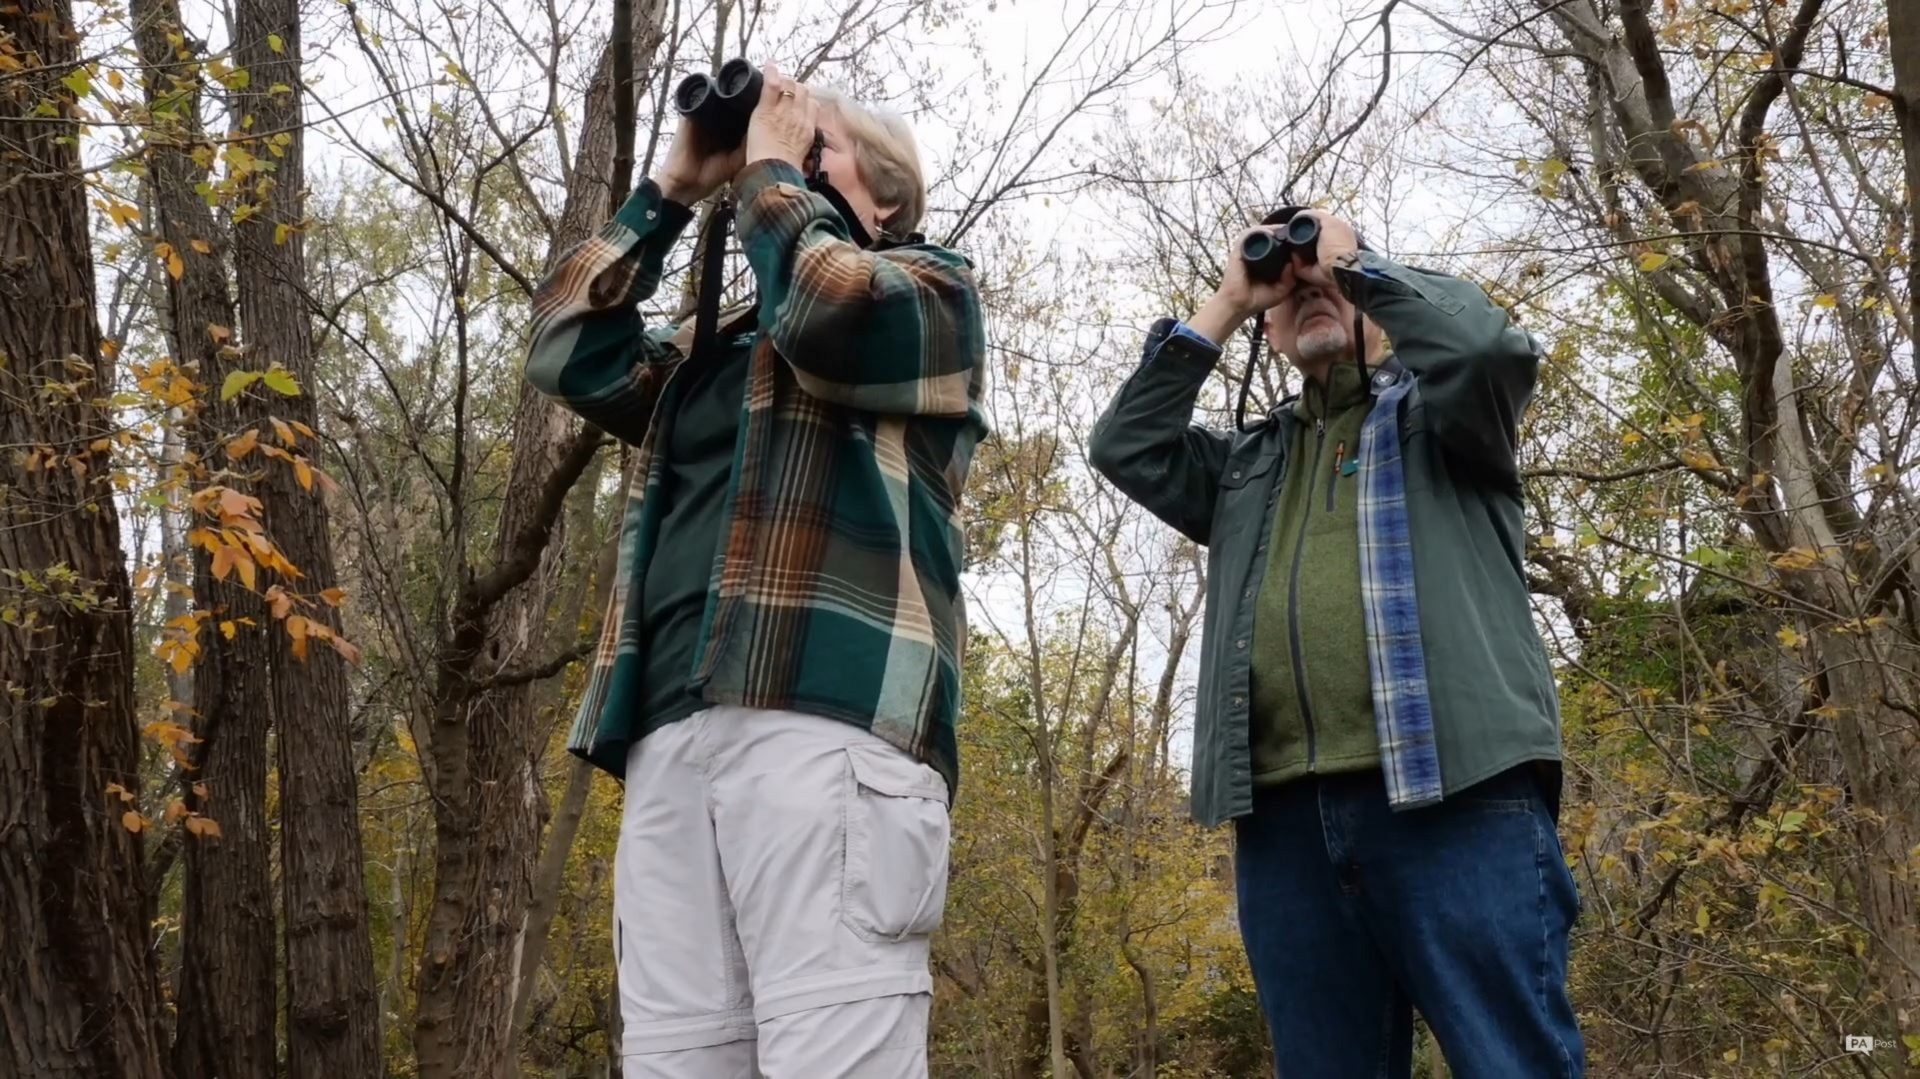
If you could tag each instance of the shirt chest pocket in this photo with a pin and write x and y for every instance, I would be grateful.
(1246, 470)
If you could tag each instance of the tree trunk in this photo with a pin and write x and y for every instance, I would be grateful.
(547, 882)
(486, 833)
(333, 1021)
(227, 992)
(1903, 45)
(78, 993)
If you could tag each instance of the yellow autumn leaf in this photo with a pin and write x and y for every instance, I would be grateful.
(201, 246)
(228, 629)
(132, 821)
(276, 43)
(1630, 438)
(347, 649)
(1652, 261)
(1789, 637)
(335, 596)
(248, 570)
(243, 445)
(1826, 299)
(303, 472)
(223, 560)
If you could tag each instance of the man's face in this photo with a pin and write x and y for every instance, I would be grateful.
(1312, 325)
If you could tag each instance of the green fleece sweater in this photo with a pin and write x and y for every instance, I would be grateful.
(1312, 704)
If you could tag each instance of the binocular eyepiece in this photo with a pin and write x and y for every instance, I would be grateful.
(719, 105)
(1267, 254)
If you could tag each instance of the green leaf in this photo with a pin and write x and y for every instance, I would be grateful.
(280, 381)
(1793, 821)
(236, 382)
(79, 80)
(276, 43)
(1652, 261)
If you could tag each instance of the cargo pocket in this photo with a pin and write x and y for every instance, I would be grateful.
(895, 880)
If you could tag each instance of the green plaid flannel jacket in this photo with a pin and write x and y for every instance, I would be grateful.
(837, 588)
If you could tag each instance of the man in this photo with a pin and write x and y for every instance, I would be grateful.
(1376, 711)
(779, 674)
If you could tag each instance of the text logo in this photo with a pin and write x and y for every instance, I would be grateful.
(1859, 1043)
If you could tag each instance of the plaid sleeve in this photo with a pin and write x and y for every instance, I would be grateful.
(896, 331)
(589, 350)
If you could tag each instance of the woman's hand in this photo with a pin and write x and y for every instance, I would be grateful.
(784, 122)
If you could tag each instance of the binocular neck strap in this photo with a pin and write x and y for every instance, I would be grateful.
(713, 263)
(1246, 379)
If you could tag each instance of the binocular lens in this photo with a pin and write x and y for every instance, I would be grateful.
(1302, 230)
(1258, 247)
(734, 76)
(691, 93)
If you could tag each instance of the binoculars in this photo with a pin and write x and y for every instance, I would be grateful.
(719, 105)
(1267, 254)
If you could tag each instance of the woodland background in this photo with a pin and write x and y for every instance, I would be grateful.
(296, 573)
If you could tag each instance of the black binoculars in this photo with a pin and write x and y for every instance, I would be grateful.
(1267, 254)
(719, 105)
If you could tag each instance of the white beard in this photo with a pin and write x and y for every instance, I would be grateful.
(1323, 344)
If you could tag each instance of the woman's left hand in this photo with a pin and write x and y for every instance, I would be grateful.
(783, 123)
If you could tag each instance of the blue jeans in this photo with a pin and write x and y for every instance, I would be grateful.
(1354, 915)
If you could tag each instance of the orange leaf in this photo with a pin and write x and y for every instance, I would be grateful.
(125, 794)
(235, 504)
(303, 429)
(175, 810)
(334, 596)
(279, 602)
(203, 826)
(181, 660)
(132, 821)
(199, 790)
(347, 649)
(228, 629)
(243, 445)
(220, 334)
(303, 472)
(247, 570)
(201, 246)
(223, 559)
(280, 428)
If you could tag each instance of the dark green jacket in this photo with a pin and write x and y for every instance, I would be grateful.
(1492, 691)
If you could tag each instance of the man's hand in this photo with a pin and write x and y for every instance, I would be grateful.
(1337, 238)
(1239, 297)
(784, 122)
(692, 172)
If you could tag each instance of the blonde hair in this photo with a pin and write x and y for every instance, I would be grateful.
(888, 159)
